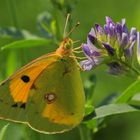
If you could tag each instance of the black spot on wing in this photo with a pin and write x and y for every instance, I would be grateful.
(23, 106)
(15, 105)
(25, 78)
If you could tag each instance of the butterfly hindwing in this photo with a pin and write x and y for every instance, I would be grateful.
(65, 109)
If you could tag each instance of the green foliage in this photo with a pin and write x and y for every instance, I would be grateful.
(129, 92)
(3, 131)
(27, 43)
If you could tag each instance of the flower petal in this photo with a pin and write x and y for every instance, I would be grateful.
(109, 49)
(124, 40)
(86, 50)
(91, 45)
(106, 28)
(109, 20)
(129, 51)
(132, 47)
(124, 27)
(133, 34)
(92, 38)
(138, 46)
(90, 63)
(119, 31)
(95, 53)
(87, 64)
(112, 30)
(99, 29)
(92, 32)
(110, 27)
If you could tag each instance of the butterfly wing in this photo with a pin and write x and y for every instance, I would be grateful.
(54, 98)
(14, 91)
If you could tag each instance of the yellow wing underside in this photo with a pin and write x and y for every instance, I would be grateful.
(19, 89)
(48, 76)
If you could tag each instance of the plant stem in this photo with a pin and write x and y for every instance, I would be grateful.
(85, 134)
(81, 133)
(132, 68)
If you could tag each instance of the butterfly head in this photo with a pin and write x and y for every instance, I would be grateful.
(66, 47)
(67, 44)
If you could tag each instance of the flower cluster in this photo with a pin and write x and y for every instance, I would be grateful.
(112, 44)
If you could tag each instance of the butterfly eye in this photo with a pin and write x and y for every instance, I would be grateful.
(50, 97)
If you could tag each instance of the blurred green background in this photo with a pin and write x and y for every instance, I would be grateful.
(24, 14)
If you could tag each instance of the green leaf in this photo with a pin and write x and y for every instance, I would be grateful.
(27, 43)
(6, 40)
(136, 97)
(113, 109)
(11, 63)
(135, 100)
(129, 92)
(92, 122)
(3, 131)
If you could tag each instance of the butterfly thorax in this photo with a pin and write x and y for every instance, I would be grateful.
(65, 48)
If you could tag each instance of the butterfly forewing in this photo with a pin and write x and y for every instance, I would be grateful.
(14, 91)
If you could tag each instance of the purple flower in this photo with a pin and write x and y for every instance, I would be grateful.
(119, 31)
(138, 46)
(113, 41)
(124, 41)
(109, 27)
(133, 34)
(100, 30)
(124, 27)
(88, 64)
(109, 49)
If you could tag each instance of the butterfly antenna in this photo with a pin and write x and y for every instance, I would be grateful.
(66, 23)
(73, 28)
(77, 41)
